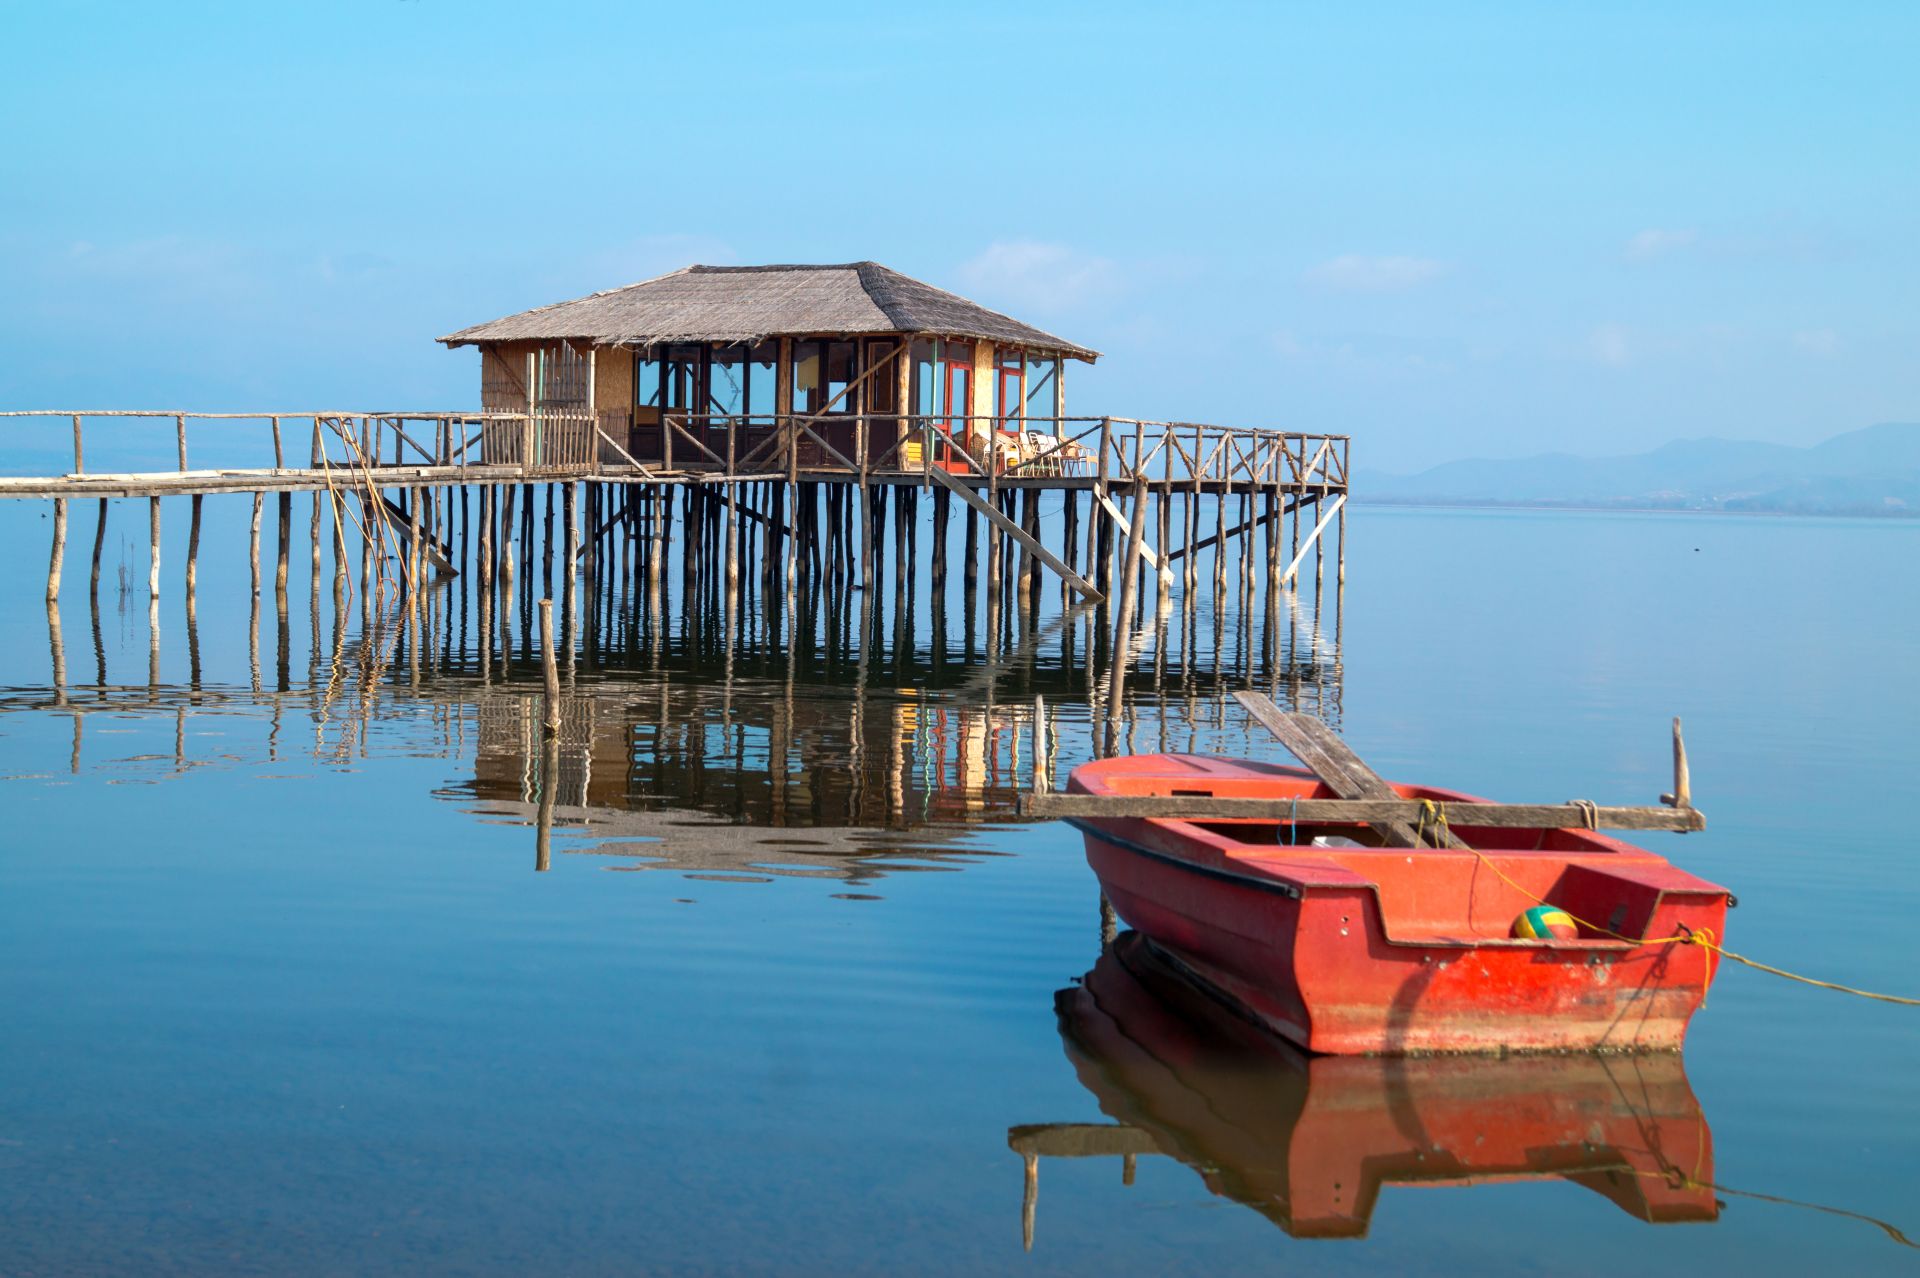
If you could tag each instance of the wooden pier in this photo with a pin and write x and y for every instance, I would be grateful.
(763, 506)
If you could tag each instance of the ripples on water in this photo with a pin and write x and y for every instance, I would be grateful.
(288, 991)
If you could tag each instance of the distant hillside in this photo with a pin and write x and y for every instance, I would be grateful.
(1875, 471)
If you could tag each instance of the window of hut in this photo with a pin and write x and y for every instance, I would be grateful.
(646, 382)
(840, 357)
(762, 379)
(806, 377)
(1042, 375)
(727, 375)
(682, 377)
(1009, 387)
(924, 382)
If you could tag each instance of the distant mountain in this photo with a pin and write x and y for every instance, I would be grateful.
(1875, 471)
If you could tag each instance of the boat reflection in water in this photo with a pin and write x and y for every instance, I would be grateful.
(1309, 1142)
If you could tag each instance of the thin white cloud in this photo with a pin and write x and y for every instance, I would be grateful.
(1610, 344)
(1655, 242)
(1037, 276)
(1368, 353)
(1817, 341)
(1361, 273)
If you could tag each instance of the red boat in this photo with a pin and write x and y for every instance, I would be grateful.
(1310, 1142)
(1345, 946)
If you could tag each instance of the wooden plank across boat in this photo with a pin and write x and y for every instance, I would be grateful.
(1384, 922)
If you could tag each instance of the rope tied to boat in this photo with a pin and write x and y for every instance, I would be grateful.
(1432, 821)
(1684, 935)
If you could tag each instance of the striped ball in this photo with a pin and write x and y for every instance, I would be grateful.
(1546, 922)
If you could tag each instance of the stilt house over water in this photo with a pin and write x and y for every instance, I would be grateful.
(701, 366)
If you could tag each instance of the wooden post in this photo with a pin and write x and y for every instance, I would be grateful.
(1341, 549)
(286, 538)
(180, 431)
(79, 455)
(733, 514)
(1100, 535)
(550, 724)
(153, 553)
(1682, 794)
(506, 536)
(1123, 618)
(1191, 572)
(993, 535)
(253, 547)
(1165, 512)
(193, 546)
(570, 532)
(59, 548)
(970, 573)
(1040, 783)
(279, 455)
(99, 543)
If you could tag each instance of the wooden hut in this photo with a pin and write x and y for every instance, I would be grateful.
(708, 362)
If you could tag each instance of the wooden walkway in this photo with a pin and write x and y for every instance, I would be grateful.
(788, 509)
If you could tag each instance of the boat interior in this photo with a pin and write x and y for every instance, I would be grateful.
(1428, 894)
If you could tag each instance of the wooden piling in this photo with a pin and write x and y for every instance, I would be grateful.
(549, 665)
(153, 552)
(59, 548)
(286, 539)
(253, 545)
(99, 543)
(1123, 618)
(1340, 527)
(193, 546)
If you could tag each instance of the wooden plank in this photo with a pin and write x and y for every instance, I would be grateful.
(406, 527)
(1216, 538)
(1374, 812)
(1016, 532)
(1313, 536)
(1330, 759)
(1146, 551)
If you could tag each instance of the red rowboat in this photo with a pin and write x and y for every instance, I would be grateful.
(1347, 948)
(1310, 1142)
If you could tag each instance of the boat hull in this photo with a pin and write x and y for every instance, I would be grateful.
(1303, 941)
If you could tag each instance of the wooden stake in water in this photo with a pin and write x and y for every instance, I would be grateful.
(550, 726)
(1040, 780)
(59, 547)
(153, 554)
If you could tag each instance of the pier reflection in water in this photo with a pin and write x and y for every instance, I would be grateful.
(1310, 1142)
(857, 743)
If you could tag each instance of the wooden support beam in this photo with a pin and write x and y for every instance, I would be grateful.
(1313, 537)
(1330, 759)
(1374, 812)
(1153, 561)
(1013, 530)
(1243, 527)
(408, 527)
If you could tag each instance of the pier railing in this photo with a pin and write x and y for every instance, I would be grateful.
(611, 443)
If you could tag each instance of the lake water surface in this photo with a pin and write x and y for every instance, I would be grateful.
(312, 961)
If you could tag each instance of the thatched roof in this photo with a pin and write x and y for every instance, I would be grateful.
(747, 303)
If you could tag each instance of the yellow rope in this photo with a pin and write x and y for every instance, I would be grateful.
(1433, 816)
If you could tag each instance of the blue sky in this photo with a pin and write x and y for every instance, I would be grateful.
(1447, 230)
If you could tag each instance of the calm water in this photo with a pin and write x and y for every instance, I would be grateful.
(286, 990)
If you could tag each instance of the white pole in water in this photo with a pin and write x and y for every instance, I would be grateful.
(1040, 785)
